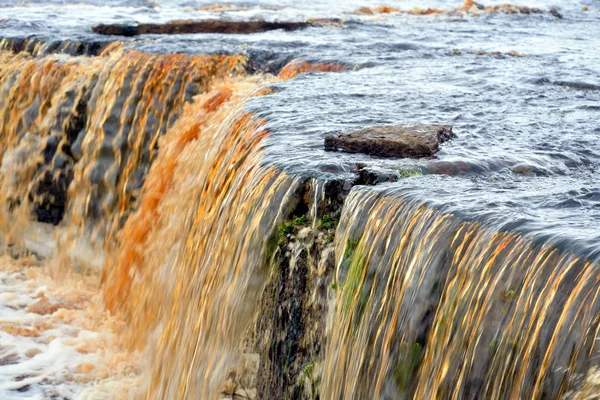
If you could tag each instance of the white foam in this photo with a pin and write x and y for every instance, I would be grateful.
(65, 351)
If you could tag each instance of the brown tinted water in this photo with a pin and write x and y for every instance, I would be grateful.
(146, 188)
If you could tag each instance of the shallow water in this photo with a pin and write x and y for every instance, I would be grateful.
(526, 153)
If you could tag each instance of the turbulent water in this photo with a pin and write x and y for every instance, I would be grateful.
(169, 214)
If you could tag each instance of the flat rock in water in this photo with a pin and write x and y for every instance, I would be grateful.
(206, 26)
(392, 141)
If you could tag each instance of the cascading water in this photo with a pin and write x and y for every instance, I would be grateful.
(136, 98)
(171, 227)
(193, 272)
(431, 307)
(131, 103)
(175, 293)
(42, 104)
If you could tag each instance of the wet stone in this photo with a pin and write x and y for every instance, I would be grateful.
(372, 175)
(392, 141)
(204, 26)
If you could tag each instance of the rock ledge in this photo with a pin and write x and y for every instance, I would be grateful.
(225, 26)
(392, 141)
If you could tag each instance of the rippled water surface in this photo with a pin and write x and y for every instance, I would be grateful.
(528, 146)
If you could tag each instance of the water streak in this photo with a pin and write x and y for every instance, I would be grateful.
(430, 307)
(136, 99)
(189, 263)
(183, 271)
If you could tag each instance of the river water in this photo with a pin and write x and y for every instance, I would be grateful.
(522, 92)
(527, 125)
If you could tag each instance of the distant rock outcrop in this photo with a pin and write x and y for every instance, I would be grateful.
(206, 26)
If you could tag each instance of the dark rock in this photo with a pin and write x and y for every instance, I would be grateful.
(49, 195)
(450, 168)
(49, 147)
(201, 26)
(392, 141)
(265, 61)
(554, 11)
(288, 332)
(373, 176)
(577, 85)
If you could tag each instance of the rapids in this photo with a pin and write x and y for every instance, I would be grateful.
(171, 227)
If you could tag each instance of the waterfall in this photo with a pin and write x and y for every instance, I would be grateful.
(181, 248)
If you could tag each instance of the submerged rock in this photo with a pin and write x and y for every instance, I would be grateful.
(392, 141)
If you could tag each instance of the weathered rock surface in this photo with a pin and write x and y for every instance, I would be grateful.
(392, 141)
(202, 26)
(290, 329)
(369, 175)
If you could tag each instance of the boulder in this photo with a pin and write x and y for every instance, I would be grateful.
(392, 141)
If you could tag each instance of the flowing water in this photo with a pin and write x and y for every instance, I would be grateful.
(507, 317)
(151, 188)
